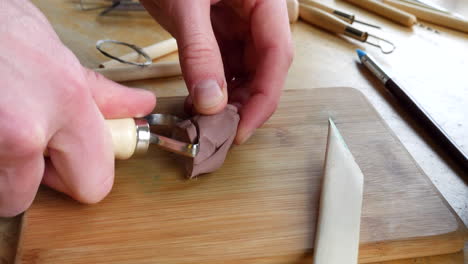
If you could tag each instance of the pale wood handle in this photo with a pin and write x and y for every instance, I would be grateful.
(387, 11)
(154, 51)
(124, 137)
(293, 10)
(132, 72)
(320, 18)
(317, 5)
(431, 16)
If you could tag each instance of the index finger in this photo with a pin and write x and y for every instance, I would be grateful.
(272, 41)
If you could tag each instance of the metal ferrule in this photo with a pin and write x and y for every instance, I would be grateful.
(375, 69)
(356, 33)
(143, 136)
(349, 18)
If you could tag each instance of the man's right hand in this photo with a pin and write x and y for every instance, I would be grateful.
(49, 101)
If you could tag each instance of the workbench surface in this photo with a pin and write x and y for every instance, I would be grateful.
(437, 79)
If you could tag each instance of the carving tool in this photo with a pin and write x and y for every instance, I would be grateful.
(154, 51)
(418, 112)
(347, 17)
(133, 136)
(431, 16)
(329, 22)
(339, 219)
(387, 11)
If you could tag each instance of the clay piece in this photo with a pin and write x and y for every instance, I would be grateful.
(214, 134)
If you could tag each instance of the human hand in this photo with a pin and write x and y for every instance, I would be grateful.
(49, 101)
(242, 52)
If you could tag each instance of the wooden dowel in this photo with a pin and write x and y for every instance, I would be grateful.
(321, 19)
(293, 10)
(132, 72)
(317, 5)
(154, 51)
(390, 12)
(431, 16)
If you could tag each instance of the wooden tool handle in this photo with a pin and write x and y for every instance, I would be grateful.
(124, 137)
(154, 51)
(317, 5)
(431, 16)
(387, 11)
(293, 10)
(132, 72)
(321, 19)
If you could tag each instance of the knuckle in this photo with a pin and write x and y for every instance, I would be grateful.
(21, 138)
(200, 50)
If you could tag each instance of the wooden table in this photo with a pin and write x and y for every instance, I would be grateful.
(431, 65)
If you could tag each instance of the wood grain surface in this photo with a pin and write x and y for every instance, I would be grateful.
(262, 205)
(437, 79)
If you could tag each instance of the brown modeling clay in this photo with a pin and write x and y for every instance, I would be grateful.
(213, 133)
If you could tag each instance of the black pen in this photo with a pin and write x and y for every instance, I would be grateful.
(416, 110)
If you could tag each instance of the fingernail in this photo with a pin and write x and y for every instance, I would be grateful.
(245, 137)
(208, 94)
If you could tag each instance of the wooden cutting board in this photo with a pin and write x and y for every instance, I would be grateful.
(260, 207)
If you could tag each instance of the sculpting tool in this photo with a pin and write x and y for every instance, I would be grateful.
(431, 16)
(339, 219)
(432, 6)
(133, 136)
(414, 108)
(347, 17)
(331, 23)
(387, 11)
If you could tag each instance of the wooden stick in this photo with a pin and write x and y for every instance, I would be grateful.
(154, 51)
(132, 72)
(330, 22)
(322, 19)
(348, 18)
(387, 11)
(432, 16)
(339, 219)
(293, 10)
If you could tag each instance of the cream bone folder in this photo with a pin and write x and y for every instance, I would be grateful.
(339, 219)
(431, 16)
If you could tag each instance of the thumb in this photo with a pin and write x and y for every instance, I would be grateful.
(200, 57)
(118, 101)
